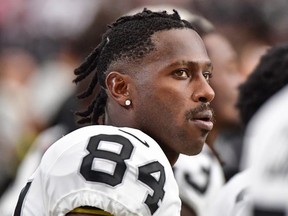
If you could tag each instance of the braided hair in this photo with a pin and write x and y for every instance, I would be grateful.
(129, 39)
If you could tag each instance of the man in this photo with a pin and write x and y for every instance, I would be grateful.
(267, 79)
(154, 74)
(268, 163)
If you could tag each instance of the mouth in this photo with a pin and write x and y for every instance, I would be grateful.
(203, 120)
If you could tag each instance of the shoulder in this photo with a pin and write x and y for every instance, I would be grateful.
(266, 156)
(269, 125)
(111, 168)
(199, 177)
(205, 162)
(122, 141)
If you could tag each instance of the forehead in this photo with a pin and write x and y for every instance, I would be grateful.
(180, 44)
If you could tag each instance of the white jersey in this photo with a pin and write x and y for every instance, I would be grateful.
(267, 156)
(120, 170)
(231, 196)
(199, 179)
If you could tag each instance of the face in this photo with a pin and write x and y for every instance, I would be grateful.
(172, 92)
(226, 79)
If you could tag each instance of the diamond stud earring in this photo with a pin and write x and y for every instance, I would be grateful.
(128, 102)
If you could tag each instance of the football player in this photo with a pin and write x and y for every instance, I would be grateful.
(153, 71)
(264, 82)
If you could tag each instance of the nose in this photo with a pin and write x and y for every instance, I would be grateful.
(203, 92)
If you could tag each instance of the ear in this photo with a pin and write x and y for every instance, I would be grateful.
(118, 85)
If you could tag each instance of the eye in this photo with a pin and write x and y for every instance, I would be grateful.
(207, 75)
(182, 73)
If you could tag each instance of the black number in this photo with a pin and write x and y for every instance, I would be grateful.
(260, 211)
(157, 186)
(200, 188)
(94, 152)
(145, 171)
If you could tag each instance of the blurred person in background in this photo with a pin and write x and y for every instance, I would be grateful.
(269, 77)
(268, 185)
(18, 125)
(276, 17)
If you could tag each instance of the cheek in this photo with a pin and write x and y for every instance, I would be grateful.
(172, 98)
(165, 103)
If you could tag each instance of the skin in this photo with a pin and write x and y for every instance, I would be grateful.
(168, 83)
(226, 79)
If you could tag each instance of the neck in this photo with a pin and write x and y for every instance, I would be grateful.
(118, 116)
(172, 156)
(172, 159)
(124, 120)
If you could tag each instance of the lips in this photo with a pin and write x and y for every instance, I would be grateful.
(203, 120)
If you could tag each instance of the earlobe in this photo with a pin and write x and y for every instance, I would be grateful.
(118, 87)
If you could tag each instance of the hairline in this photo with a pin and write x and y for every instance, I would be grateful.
(123, 63)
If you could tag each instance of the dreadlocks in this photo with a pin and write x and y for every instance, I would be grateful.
(129, 39)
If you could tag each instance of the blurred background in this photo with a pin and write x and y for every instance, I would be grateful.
(42, 42)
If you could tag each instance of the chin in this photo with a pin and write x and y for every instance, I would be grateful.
(194, 150)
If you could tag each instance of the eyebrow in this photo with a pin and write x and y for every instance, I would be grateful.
(192, 64)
